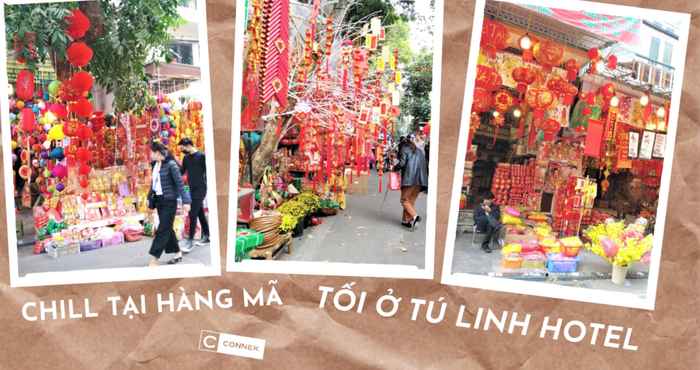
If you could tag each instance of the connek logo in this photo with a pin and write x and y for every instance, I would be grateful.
(229, 344)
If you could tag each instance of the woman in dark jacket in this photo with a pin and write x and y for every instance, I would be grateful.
(414, 179)
(166, 188)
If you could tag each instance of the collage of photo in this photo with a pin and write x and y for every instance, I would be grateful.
(561, 181)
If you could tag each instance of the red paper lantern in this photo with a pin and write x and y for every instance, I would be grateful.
(487, 78)
(593, 54)
(58, 110)
(78, 24)
(571, 67)
(83, 155)
(97, 121)
(612, 62)
(608, 90)
(483, 100)
(82, 108)
(27, 119)
(502, 101)
(84, 169)
(548, 53)
(494, 37)
(24, 85)
(84, 182)
(83, 133)
(81, 81)
(539, 99)
(79, 54)
(524, 76)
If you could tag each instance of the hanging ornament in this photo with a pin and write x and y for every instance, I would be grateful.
(79, 54)
(525, 44)
(548, 53)
(539, 99)
(483, 100)
(24, 85)
(563, 89)
(81, 81)
(551, 129)
(25, 172)
(502, 101)
(474, 123)
(78, 24)
(571, 67)
(612, 62)
(27, 120)
(487, 78)
(82, 108)
(524, 76)
(494, 37)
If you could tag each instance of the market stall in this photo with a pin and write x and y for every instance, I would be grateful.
(568, 152)
(84, 175)
(319, 109)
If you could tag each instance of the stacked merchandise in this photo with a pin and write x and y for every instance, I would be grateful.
(522, 183)
(500, 185)
(594, 217)
(571, 202)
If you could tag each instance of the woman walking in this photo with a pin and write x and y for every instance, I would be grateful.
(166, 187)
(414, 178)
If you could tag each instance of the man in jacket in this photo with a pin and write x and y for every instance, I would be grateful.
(414, 178)
(195, 166)
(487, 216)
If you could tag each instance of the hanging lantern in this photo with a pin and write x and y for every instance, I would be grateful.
(524, 76)
(525, 44)
(79, 54)
(78, 24)
(84, 169)
(565, 90)
(483, 100)
(548, 53)
(494, 37)
(82, 108)
(608, 91)
(644, 100)
(612, 62)
(83, 132)
(25, 85)
(539, 99)
(550, 127)
(502, 101)
(487, 78)
(571, 67)
(81, 81)
(27, 120)
(25, 172)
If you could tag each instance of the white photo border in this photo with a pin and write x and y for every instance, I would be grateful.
(543, 289)
(125, 273)
(335, 268)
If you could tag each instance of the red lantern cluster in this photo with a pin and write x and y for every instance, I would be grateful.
(548, 53)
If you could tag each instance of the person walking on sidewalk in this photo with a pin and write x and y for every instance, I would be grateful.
(195, 166)
(487, 216)
(414, 178)
(166, 188)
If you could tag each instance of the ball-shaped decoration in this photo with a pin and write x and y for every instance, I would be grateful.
(502, 101)
(24, 85)
(483, 100)
(548, 53)
(79, 54)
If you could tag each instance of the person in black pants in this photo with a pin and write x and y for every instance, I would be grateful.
(195, 166)
(487, 216)
(166, 188)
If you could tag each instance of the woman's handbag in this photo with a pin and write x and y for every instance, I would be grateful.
(394, 181)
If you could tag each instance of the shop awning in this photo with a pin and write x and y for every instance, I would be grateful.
(544, 24)
(171, 77)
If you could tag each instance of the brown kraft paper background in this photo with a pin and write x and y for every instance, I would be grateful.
(299, 335)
